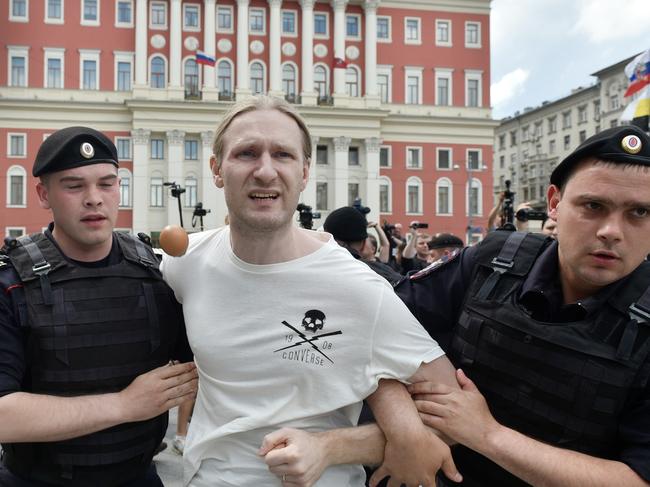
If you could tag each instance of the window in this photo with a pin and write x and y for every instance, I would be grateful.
(15, 232)
(414, 158)
(353, 192)
(320, 80)
(582, 114)
(444, 200)
(412, 30)
(473, 88)
(443, 156)
(473, 199)
(157, 149)
(18, 66)
(614, 102)
(353, 26)
(289, 80)
(123, 145)
(321, 25)
(413, 196)
(502, 162)
(321, 196)
(413, 86)
(54, 64)
(90, 12)
(502, 141)
(191, 78)
(224, 77)
(16, 145)
(551, 146)
(191, 192)
(474, 160)
(125, 187)
(156, 195)
(256, 24)
(352, 81)
(257, 78)
(513, 138)
(443, 86)
(566, 120)
(383, 29)
(472, 34)
(16, 186)
(88, 69)
(224, 19)
(54, 11)
(124, 65)
(158, 15)
(567, 142)
(124, 13)
(191, 150)
(443, 32)
(525, 133)
(353, 156)
(289, 23)
(158, 77)
(383, 86)
(582, 136)
(385, 157)
(384, 195)
(321, 154)
(19, 10)
(612, 123)
(191, 13)
(552, 125)
(538, 130)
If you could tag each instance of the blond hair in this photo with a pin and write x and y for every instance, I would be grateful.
(260, 102)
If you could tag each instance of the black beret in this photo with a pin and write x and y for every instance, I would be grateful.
(347, 224)
(627, 144)
(444, 240)
(73, 147)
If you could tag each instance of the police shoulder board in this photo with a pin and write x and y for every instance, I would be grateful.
(434, 266)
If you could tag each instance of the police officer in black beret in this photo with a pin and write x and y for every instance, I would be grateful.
(552, 338)
(87, 330)
(443, 245)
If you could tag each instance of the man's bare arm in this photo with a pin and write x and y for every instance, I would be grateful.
(26, 417)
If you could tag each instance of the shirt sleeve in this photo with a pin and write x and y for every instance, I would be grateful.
(12, 342)
(634, 430)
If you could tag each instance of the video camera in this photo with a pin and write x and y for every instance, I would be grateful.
(508, 204)
(358, 206)
(306, 216)
(419, 225)
(526, 214)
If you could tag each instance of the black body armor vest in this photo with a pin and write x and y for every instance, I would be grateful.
(561, 383)
(92, 331)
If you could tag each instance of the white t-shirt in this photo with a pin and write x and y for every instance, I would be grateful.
(299, 344)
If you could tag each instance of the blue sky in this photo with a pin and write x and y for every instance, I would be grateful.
(542, 49)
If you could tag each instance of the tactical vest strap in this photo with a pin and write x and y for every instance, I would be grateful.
(152, 309)
(135, 250)
(96, 374)
(41, 266)
(89, 459)
(639, 313)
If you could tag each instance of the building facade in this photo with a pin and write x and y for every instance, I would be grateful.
(396, 95)
(528, 145)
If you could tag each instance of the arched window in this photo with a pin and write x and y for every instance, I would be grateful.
(320, 80)
(158, 78)
(125, 187)
(224, 77)
(474, 198)
(414, 196)
(16, 186)
(444, 197)
(191, 195)
(352, 81)
(191, 79)
(385, 195)
(257, 78)
(289, 80)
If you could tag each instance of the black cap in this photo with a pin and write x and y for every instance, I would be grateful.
(73, 147)
(444, 240)
(347, 224)
(627, 144)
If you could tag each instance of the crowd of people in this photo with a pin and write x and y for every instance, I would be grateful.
(523, 360)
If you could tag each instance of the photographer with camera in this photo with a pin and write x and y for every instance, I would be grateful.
(383, 245)
(415, 255)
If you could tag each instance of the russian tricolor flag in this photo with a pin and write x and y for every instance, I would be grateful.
(203, 58)
(638, 71)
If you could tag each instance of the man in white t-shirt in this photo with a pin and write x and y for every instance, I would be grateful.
(290, 333)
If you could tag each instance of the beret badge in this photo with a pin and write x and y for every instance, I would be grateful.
(87, 150)
(631, 144)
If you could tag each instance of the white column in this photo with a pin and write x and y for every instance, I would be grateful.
(339, 44)
(308, 96)
(275, 58)
(209, 47)
(175, 19)
(309, 194)
(140, 186)
(370, 7)
(141, 27)
(175, 139)
(211, 197)
(243, 83)
(341, 147)
(372, 177)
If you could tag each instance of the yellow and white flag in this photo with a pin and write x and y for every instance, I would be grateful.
(638, 110)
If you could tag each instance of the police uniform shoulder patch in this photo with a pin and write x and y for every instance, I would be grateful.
(431, 268)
